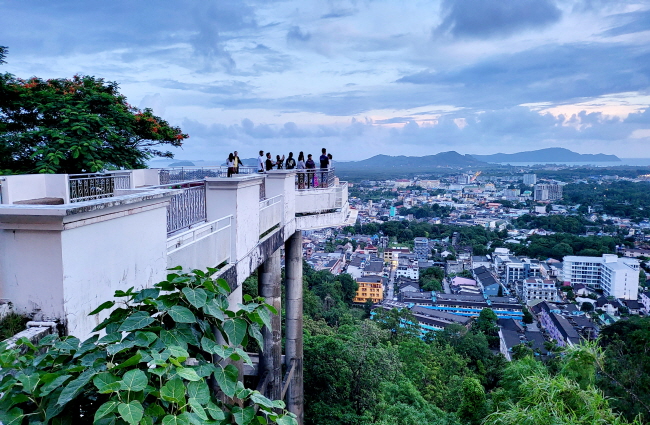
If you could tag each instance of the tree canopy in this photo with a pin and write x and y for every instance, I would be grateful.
(82, 124)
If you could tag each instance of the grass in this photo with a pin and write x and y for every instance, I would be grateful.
(11, 324)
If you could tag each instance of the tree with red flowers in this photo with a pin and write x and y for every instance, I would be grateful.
(76, 125)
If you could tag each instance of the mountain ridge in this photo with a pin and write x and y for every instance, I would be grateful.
(547, 155)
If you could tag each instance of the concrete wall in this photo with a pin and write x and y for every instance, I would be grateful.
(147, 177)
(204, 251)
(315, 200)
(34, 186)
(105, 256)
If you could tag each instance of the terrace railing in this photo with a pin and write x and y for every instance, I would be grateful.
(86, 187)
(183, 174)
(186, 208)
(315, 178)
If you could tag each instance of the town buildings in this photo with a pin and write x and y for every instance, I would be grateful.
(617, 277)
(370, 288)
(535, 288)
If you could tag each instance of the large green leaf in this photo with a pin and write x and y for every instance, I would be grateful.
(145, 339)
(254, 331)
(243, 416)
(235, 330)
(146, 293)
(69, 343)
(29, 381)
(199, 391)
(182, 314)
(258, 398)
(197, 408)
(103, 306)
(12, 417)
(187, 373)
(51, 386)
(215, 412)
(196, 297)
(105, 409)
(131, 361)
(134, 380)
(174, 391)
(213, 308)
(106, 383)
(227, 379)
(286, 420)
(131, 412)
(138, 320)
(176, 420)
(179, 353)
(75, 386)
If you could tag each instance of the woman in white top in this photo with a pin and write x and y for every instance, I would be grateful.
(300, 167)
(231, 165)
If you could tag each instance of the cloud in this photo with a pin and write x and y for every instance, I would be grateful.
(296, 35)
(633, 22)
(489, 18)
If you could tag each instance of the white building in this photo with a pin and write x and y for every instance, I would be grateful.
(617, 277)
(408, 268)
(535, 288)
(518, 269)
(530, 179)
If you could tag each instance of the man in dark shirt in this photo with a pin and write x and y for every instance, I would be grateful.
(269, 164)
(324, 163)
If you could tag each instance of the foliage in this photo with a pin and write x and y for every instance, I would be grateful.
(528, 317)
(399, 322)
(140, 371)
(431, 278)
(556, 223)
(620, 198)
(486, 323)
(472, 408)
(625, 366)
(560, 244)
(82, 124)
(3, 54)
(11, 324)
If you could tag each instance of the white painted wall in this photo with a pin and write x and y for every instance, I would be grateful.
(146, 177)
(34, 186)
(116, 254)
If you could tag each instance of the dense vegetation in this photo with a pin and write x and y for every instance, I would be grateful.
(620, 199)
(381, 371)
(560, 244)
(139, 371)
(556, 223)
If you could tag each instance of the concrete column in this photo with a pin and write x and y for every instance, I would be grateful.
(269, 275)
(293, 343)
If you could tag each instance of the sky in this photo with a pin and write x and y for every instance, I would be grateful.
(359, 77)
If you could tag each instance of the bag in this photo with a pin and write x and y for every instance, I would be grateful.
(315, 181)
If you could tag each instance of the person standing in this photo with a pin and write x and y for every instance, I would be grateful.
(290, 164)
(279, 161)
(237, 162)
(269, 164)
(301, 170)
(324, 165)
(311, 170)
(260, 162)
(231, 164)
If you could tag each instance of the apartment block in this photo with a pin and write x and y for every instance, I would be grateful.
(617, 277)
(370, 288)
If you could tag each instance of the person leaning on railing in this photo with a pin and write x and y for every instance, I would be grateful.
(311, 172)
(324, 165)
(301, 170)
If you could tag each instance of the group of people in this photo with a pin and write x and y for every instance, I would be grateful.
(307, 175)
(306, 170)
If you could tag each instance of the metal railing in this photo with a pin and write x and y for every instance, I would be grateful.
(270, 213)
(181, 240)
(187, 208)
(315, 178)
(183, 174)
(86, 187)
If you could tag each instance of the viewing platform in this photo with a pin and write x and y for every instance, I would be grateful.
(67, 242)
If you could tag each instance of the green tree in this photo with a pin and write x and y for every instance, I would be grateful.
(400, 322)
(472, 409)
(528, 318)
(3, 54)
(486, 323)
(82, 124)
(587, 307)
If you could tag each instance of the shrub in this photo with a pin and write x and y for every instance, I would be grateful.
(154, 365)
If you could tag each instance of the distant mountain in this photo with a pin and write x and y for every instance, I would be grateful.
(546, 155)
(410, 163)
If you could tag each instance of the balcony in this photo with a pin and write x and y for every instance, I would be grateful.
(68, 241)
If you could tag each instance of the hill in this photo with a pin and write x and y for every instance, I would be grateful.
(410, 163)
(546, 155)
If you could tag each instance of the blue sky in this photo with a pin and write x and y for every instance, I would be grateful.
(359, 77)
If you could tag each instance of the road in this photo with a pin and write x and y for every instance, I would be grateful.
(391, 285)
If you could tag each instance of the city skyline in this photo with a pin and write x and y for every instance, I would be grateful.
(359, 77)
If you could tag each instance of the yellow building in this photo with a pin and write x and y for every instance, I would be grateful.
(391, 255)
(370, 288)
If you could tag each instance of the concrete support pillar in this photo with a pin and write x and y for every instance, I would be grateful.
(269, 275)
(293, 343)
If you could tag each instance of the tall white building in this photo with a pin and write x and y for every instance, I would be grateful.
(530, 179)
(535, 288)
(617, 277)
